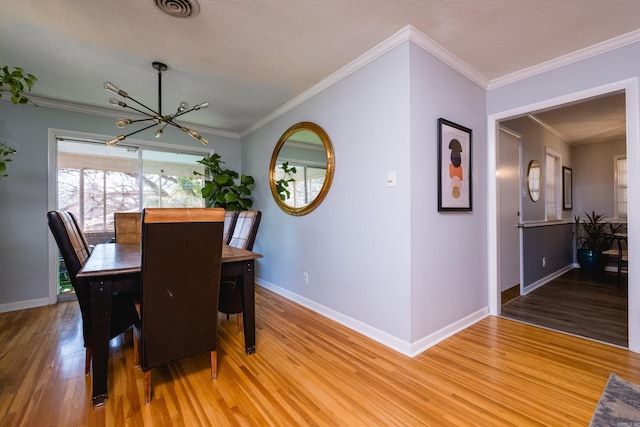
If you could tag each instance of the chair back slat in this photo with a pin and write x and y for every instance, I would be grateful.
(245, 230)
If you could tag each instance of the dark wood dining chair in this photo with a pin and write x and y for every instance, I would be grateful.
(244, 236)
(128, 227)
(181, 261)
(230, 218)
(75, 251)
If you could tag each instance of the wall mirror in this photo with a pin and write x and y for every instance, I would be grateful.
(301, 168)
(533, 180)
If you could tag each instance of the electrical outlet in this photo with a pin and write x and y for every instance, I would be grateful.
(305, 278)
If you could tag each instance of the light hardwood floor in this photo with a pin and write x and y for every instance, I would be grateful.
(309, 370)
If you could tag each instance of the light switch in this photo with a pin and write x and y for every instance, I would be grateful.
(391, 178)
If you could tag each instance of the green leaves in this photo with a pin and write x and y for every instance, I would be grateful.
(15, 82)
(221, 189)
(5, 152)
(282, 184)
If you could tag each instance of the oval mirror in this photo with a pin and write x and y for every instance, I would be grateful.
(301, 168)
(533, 180)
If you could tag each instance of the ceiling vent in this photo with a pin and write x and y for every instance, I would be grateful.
(179, 8)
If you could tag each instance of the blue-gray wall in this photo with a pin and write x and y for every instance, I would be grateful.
(24, 281)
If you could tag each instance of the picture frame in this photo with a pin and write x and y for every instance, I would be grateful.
(567, 188)
(454, 167)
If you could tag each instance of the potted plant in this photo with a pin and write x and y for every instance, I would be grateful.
(225, 188)
(13, 82)
(594, 235)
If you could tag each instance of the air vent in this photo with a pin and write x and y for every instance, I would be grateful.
(179, 8)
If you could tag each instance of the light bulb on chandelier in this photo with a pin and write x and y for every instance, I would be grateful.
(156, 117)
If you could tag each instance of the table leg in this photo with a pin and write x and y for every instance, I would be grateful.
(100, 325)
(249, 315)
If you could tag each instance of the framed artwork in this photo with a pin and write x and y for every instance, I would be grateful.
(567, 197)
(454, 167)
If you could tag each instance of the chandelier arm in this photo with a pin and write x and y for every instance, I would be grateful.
(140, 130)
(142, 105)
(139, 111)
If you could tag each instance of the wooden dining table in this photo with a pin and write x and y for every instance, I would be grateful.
(115, 267)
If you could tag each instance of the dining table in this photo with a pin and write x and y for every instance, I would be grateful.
(115, 267)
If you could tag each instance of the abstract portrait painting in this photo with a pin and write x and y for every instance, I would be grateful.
(454, 167)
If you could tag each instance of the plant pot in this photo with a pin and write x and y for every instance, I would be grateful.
(591, 261)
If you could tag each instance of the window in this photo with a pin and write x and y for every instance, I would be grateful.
(620, 184)
(553, 181)
(308, 181)
(95, 181)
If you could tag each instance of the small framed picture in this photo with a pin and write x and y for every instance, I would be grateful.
(567, 197)
(454, 167)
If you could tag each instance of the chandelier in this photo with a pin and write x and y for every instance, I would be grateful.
(155, 117)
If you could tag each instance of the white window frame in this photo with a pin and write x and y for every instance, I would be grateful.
(616, 185)
(557, 187)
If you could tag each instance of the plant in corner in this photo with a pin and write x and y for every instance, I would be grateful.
(594, 235)
(225, 188)
(14, 82)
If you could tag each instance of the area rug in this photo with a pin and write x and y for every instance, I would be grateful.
(619, 405)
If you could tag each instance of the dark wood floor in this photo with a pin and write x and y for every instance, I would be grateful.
(579, 304)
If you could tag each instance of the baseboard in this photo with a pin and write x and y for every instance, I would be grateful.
(535, 285)
(22, 305)
(429, 341)
(388, 340)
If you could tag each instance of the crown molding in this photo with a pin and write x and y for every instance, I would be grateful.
(407, 33)
(106, 112)
(420, 39)
(355, 65)
(570, 58)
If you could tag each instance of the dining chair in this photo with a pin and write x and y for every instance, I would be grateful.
(74, 249)
(244, 236)
(181, 261)
(230, 218)
(619, 250)
(128, 227)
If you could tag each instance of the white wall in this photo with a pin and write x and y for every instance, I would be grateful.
(23, 195)
(381, 260)
(603, 73)
(448, 249)
(355, 245)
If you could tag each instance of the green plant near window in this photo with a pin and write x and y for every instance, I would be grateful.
(15, 81)
(282, 184)
(5, 152)
(225, 188)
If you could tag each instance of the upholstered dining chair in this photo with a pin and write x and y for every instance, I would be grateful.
(128, 227)
(181, 261)
(244, 236)
(75, 251)
(230, 218)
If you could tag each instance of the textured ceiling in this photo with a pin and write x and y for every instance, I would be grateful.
(248, 58)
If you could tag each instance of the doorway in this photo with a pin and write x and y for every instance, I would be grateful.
(631, 91)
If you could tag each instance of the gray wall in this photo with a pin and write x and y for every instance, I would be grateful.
(593, 173)
(23, 195)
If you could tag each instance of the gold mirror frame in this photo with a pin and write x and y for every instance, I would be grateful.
(328, 149)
